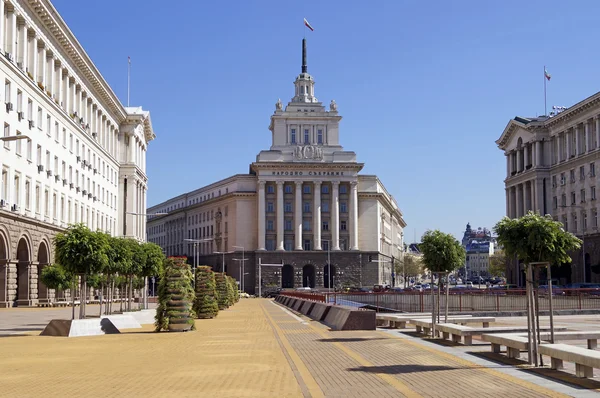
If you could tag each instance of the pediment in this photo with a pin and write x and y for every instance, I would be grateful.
(514, 130)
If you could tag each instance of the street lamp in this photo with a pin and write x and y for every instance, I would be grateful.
(582, 235)
(329, 276)
(195, 242)
(223, 262)
(384, 262)
(242, 272)
(243, 259)
(260, 265)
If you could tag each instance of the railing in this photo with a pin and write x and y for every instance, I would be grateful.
(461, 301)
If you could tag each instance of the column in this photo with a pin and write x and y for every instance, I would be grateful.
(558, 148)
(526, 198)
(507, 190)
(519, 161)
(335, 216)
(280, 225)
(586, 135)
(129, 218)
(354, 216)
(317, 215)
(11, 34)
(525, 156)
(569, 145)
(534, 205)
(24, 44)
(538, 153)
(577, 132)
(597, 120)
(513, 202)
(42, 62)
(519, 212)
(533, 153)
(131, 148)
(507, 155)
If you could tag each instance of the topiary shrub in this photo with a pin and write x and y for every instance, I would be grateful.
(175, 297)
(230, 291)
(222, 290)
(206, 305)
(234, 287)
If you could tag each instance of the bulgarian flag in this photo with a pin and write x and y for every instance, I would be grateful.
(308, 25)
(547, 75)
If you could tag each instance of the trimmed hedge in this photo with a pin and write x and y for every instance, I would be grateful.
(222, 290)
(175, 297)
(206, 305)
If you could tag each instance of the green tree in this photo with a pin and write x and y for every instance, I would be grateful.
(81, 252)
(155, 259)
(498, 264)
(442, 253)
(55, 277)
(119, 259)
(138, 262)
(535, 239)
(409, 266)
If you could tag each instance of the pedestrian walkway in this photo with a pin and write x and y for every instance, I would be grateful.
(254, 349)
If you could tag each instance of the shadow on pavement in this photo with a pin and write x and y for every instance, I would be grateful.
(350, 339)
(399, 369)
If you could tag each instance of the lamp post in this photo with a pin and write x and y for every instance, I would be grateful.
(260, 265)
(243, 264)
(383, 262)
(329, 276)
(582, 237)
(223, 261)
(145, 278)
(14, 138)
(196, 253)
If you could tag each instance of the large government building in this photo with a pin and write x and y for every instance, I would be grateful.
(303, 204)
(70, 152)
(551, 169)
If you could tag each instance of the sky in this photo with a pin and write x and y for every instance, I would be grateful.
(425, 88)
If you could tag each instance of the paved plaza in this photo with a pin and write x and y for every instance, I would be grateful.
(258, 349)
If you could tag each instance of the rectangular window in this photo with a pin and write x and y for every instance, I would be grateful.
(306, 225)
(19, 145)
(37, 199)
(325, 245)
(19, 102)
(270, 189)
(46, 203)
(288, 207)
(319, 136)
(48, 125)
(270, 207)
(29, 149)
(594, 218)
(343, 189)
(270, 225)
(71, 143)
(17, 190)
(288, 245)
(64, 138)
(325, 207)
(325, 189)
(288, 225)
(593, 193)
(555, 202)
(29, 110)
(307, 207)
(572, 198)
(592, 169)
(288, 189)
(4, 193)
(270, 243)
(307, 244)
(572, 175)
(306, 188)
(582, 196)
(343, 207)
(325, 225)
(56, 132)
(6, 134)
(7, 91)
(343, 225)
(553, 181)
(293, 136)
(582, 172)
(306, 136)
(563, 199)
(39, 118)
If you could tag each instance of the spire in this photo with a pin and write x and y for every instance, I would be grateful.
(304, 66)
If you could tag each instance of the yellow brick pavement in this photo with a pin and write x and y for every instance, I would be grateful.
(255, 349)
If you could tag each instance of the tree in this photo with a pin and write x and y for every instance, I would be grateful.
(498, 264)
(535, 239)
(119, 259)
(409, 266)
(138, 262)
(81, 252)
(155, 259)
(222, 290)
(442, 253)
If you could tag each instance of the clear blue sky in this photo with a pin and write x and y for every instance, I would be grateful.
(425, 88)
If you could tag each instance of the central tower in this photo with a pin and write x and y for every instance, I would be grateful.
(305, 84)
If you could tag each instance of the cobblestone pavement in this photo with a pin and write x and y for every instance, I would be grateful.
(254, 349)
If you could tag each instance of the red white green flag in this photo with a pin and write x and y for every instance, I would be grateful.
(547, 75)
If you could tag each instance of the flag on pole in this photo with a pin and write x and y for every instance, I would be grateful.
(308, 25)
(547, 75)
(129, 60)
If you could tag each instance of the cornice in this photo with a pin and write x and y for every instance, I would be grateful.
(571, 112)
(302, 165)
(18, 217)
(61, 33)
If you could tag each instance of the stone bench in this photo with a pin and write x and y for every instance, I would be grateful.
(340, 317)
(585, 360)
(591, 337)
(424, 325)
(513, 339)
(459, 332)
(399, 321)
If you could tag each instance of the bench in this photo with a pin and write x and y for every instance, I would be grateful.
(585, 360)
(424, 326)
(514, 342)
(591, 337)
(513, 339)
(399, 321)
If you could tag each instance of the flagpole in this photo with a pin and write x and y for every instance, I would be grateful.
(128, 78)
(544, 77)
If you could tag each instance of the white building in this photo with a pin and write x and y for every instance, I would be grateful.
(83, 160)
(302, 203)
(551, 169)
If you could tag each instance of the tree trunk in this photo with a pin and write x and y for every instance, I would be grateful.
(439, 288)
(130, 293)
(432, 307)
(121, 297)
(100, 294)
(447, 297)
(82, 297)
(73, 298)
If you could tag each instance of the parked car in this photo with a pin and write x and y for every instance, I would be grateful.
(556, 290)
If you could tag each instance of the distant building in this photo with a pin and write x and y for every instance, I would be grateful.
(479, 245)
(480, 234)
